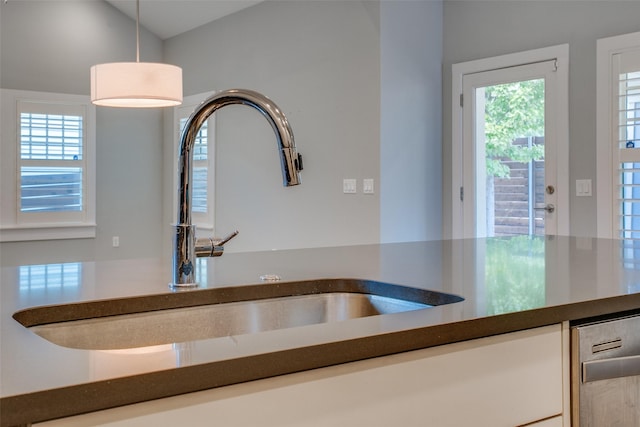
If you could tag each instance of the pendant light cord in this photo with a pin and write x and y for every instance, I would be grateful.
(137, 30)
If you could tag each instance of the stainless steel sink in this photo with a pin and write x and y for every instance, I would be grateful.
(217, 320)
(213, 313)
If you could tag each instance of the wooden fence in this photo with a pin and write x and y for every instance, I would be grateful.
(512, 213)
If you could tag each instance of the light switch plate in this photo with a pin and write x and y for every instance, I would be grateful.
(583, 187)
(349, 186)
(367, 186)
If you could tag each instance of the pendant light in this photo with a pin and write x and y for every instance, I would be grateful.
(136, 84)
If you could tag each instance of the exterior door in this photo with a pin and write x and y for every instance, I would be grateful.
(513, 181)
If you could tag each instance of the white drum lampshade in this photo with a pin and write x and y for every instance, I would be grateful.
(136, 85)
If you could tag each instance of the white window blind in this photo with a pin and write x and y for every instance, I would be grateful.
(626, 68)
(202, 192)
(200, 168)
(51, 162)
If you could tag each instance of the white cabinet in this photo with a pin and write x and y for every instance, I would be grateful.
(505, 380)
(550, 422)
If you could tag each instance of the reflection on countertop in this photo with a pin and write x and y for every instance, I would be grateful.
(507, 284)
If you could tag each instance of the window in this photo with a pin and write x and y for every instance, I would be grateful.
(628, 142)
(200, 168)
(618, 142)
(48, 166)
(618, 136)
(203, 163)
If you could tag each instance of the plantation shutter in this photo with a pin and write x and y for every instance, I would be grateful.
(200, 181)
(48, 157)
(626, 75)
(52, 158)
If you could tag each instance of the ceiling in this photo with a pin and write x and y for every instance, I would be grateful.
(168, 18)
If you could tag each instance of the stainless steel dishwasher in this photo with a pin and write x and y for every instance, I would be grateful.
(605, 370)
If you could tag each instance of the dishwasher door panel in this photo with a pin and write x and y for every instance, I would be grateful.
(606, 373)
(610, 403)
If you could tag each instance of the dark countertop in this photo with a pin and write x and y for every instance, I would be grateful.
(507, 285)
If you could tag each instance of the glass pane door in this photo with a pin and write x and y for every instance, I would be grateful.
(510, 148)
(510, 145)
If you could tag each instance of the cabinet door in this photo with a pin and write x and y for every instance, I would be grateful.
(506, 380)
(550, 422)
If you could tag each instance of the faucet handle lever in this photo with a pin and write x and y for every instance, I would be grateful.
(220, 242)
(212, 246)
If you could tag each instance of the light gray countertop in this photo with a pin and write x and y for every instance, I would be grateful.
(507, 285)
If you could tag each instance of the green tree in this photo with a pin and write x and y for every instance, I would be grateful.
(513, 110)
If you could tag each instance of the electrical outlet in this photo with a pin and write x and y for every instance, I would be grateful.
(116, 241)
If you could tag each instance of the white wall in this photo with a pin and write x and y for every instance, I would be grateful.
(478, 29)
(328, 64)
(320, 62)
(49, 46)
(410, 120)
(361, 84)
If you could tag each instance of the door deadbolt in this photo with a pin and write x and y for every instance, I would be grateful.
(550, 189)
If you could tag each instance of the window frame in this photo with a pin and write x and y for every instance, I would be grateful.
(20, 226)
(607, 158)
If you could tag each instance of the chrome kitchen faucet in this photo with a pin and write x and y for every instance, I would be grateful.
(185, 245)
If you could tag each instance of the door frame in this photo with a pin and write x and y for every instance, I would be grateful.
(560, 54)
(473, 135)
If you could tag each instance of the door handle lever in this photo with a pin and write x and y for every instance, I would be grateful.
(549, 208)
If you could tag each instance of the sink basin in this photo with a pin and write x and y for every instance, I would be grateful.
(220, 312)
